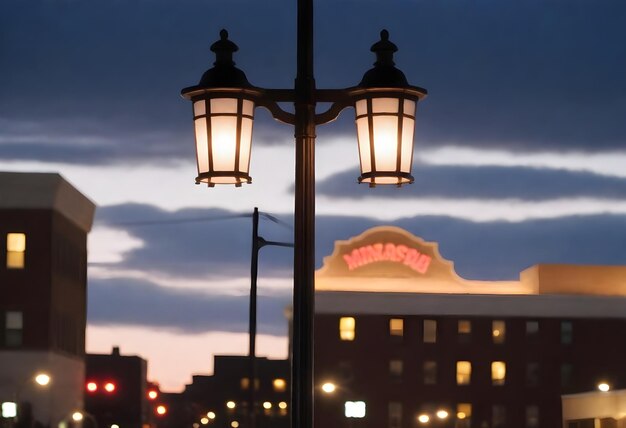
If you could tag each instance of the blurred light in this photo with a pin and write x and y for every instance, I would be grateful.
(282, 405)
(461, 415)
(152, 394)
(234, 424)
(280, 385)
(231, 404)
(267, 405)
(211, 415)
(115, 426)
(604, 387)
(423, 419)
(204, 421)
(77, 416)
(9, 409)
(355, 409)
(329, 387)
(109, 387)
(161, 409)
(92, 386)
(195, 425)
(442, 414)
(42, 379)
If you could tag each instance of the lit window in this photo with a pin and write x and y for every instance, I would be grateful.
(395, 369)
(347, 326)
(498, 331)
(532, 374)
(280, 385)
(430, 372)
(430, 331)
(282, 408)
(463, 415)
(532, 417)
(16, 248)
(9, 409)
(244, 383)
(463, 372)
(498, 373)
(498, 416)
(396, 327)
(464, 330)
(395, 414)
(355, 409)
(567, 332)
(532, 328)
(14, 324)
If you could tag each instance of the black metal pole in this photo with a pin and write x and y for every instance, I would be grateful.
(254, 269)
(304, 236)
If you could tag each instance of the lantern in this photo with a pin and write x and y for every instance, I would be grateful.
(385, 119)
(223, 113)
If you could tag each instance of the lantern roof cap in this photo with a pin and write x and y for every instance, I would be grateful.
(384, 73)
(224, 74)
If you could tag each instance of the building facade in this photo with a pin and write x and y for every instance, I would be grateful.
(408, 343)
(596, 409)
(44, 223)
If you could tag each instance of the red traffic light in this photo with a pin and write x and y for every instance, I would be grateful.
(109, 387)
(92, 386)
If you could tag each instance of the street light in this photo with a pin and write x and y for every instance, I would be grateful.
(223, 104)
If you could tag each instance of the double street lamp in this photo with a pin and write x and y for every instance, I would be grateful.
(223, 112)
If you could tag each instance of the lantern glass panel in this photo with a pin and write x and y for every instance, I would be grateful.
(385, 142)
(202, 145)
(246, 139)
(384, 105)
(409, 107)
(363, 136)
(361, 107)
(199, 108)
(408, 127)
(223, 105)
(223, 144)
(248, 108)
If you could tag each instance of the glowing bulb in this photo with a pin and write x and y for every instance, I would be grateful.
(109, 387)
(461, 415)
(234, 424)
(42, 379)
(442, 414)
(152, 394)
(267, 405)
(210, 415)
(423, 419)
(204, 421)
(604, 387)
(231, 404)
(92, 386)
(161, 410)
(282, 405)
(329, 387)
(77, 416)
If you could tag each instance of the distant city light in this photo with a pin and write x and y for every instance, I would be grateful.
(267, 405)
(204, 421)
(161, 410)
(442, 414)
(42, 379)
(152, 394)
(280, 385)
(423, 419)
(231, 404)
(115, 426)
(234, 424)
(77, 416)
(604, 387)
(355, 409)
(92, 386)
(9, 409)
(210, 415)
(109, 387)
(461, 415)
(329, 387)
(282, 405)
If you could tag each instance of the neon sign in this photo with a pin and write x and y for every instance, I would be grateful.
(388, 252)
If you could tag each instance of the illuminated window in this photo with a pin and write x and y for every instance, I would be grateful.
(395, 369)
(498, 416)
(532, 374)
(396, 327)
(567, 332)
(463, 372)
(532, 328)
(498, 331)
(354, 409)
(395, 414)
(280, 385)
(13, 329)
(498, 373)
(9, 409)
(532, 417)
(430, 331)
(347, 327)
(245, 383)
(16, 248)
(463, 415)
(465, 331)
(430, 372)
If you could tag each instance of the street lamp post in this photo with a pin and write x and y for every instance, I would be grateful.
(223, 104)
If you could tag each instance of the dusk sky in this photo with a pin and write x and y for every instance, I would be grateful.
(520, 153)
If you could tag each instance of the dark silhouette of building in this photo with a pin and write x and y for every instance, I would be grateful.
(222, 399)
(44, 223)
(408, 343)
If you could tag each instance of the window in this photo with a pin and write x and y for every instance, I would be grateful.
(395, 414)
(532, 328)
(463, 372)
(354, 409)
(566, 374)
(465, 331)
(13, 329)
(430, 372)
(430, 331)
(532, 417)
(16, 248)
(463, 415)
(395, 369)
(245, 383)
(498, 416)
(280, 385)
(347, 327)
(498, 373)
(567, 332)
(498, 331)
(396, 327)
(532, 374)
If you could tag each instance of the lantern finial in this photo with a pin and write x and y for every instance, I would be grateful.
(224, 74)
(384, 50)
(384, 74)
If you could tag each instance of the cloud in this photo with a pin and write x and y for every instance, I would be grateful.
(141, 303)
(485, 182)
